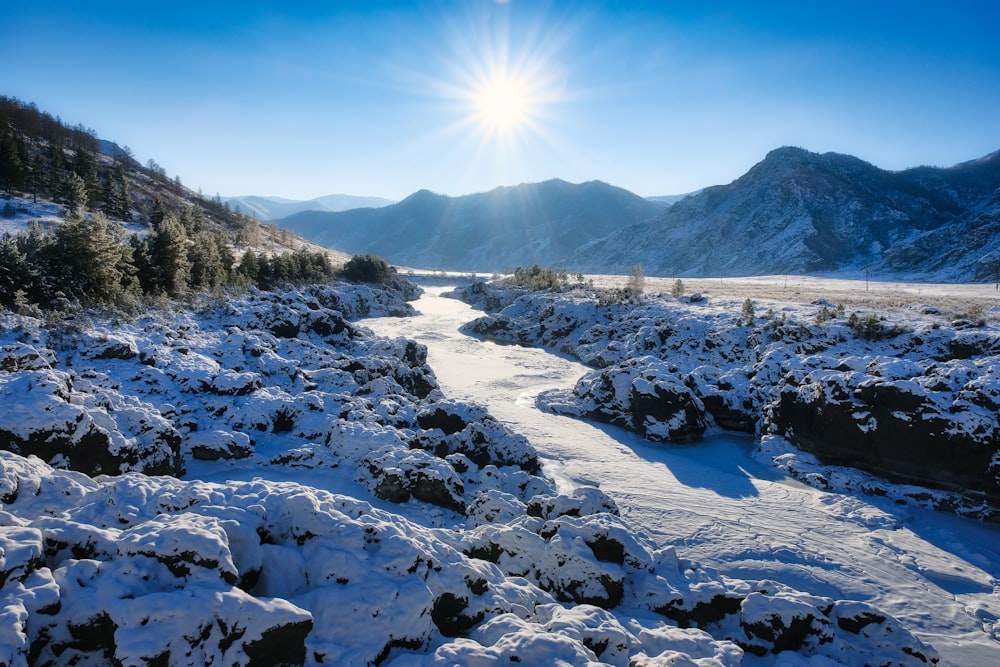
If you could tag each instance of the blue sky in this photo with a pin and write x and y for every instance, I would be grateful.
(383, 98)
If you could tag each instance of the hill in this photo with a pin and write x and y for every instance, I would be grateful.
(86, 225)
(275, 208)
(541, 223)
(807, 213)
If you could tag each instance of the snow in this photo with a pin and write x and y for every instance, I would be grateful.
(719, 504)
(281, 486)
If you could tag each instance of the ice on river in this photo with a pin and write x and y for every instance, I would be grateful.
(938, 574)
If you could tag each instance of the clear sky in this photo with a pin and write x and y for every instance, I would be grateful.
(302, 99)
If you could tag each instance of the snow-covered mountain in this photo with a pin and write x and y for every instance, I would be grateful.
(802, 212)
(540, 223)
(275, 208)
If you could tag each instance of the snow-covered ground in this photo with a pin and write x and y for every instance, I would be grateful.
(718, 504)
(270, 483)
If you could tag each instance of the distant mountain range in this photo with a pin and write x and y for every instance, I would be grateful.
(806, 213)
(543, 223)
(794, 212)
(275, 208)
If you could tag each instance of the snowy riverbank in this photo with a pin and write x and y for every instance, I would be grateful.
(341, 505)
(717, 504)
(911, 394)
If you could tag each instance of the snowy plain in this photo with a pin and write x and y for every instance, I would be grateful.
(718, 504)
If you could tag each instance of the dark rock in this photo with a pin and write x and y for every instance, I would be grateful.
(607, 549)
(887, 429)
(727, 417)
(440, 418)
(96, 635)
(666, 410)
(776, 624)
(117, 350)
(701, 613)
(447, 614)
(218, 445)
(280, 645)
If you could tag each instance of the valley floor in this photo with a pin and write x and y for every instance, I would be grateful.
(937, 573)
(953, 298)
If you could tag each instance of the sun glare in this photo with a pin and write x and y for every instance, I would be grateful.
(503, 103)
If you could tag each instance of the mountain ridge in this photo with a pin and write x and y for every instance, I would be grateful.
(269, 208)
(795, 211)
(801, 212)
(489, 231)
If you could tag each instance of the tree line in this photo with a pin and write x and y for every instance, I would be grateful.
(89, 261)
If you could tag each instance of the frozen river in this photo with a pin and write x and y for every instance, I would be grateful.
(938, 574)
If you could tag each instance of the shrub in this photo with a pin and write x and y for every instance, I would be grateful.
(368, 269)
(869, 327)
(537, 278)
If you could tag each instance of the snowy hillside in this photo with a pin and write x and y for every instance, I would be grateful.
(512, 226)
(800, 212)
(275, 208)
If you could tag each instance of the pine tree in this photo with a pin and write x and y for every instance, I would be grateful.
(193, 220)
(168, 251)
(35, 278)
(13, 159)
(116, 197)
(158, 214)
(249, 267)
(146, 271)
(73, 193)
(92, 261)
(12, 267)
(85, 166)
(211, 261)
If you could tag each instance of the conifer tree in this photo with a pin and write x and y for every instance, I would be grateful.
(211, 261)
(146, 272)
(168, 251)
(13, 159)
(84, 166)
(35, 278)
(249, 267)
(73, 193)
(158, 214)
(116, 197)
(12, 267)
(92, 262)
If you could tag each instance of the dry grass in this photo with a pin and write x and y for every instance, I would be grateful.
(953, 300)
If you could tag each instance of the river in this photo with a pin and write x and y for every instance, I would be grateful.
(938, 574)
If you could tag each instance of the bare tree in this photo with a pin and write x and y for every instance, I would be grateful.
(636, 282)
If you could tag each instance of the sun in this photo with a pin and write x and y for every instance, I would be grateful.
(503, 103)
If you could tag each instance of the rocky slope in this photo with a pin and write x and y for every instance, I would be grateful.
(907, 396)
(539, 223)
(801, 212)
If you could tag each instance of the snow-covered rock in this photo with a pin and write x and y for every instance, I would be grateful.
(913, 399)
(489, 562)
(641, 394)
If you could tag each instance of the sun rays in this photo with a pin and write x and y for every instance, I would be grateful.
(503, 103)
